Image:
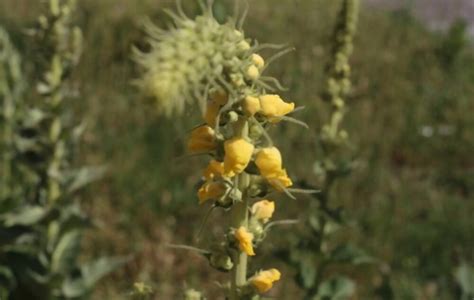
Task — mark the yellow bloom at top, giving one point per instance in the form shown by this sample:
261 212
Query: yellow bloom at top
263 210
273 106
263 280
268 161
238 153
258 61
211 190
202 140
214 169
245 239
251 105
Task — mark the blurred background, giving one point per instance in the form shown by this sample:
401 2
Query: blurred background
411 121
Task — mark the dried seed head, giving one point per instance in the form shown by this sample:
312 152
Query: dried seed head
195 57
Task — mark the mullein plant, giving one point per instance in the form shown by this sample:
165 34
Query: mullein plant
215 65
11 87
315 254
41 221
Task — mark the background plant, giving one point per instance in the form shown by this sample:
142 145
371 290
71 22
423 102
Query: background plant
40 217
317 251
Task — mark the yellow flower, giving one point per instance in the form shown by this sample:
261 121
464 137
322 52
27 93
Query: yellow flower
212 110
245 240
273 106
238 153
263 210
263 280
211 190
253 72
258 61
251 105
280 180
268 161
218 99
202 140
214 169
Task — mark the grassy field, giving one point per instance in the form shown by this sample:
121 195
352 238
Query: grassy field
411 120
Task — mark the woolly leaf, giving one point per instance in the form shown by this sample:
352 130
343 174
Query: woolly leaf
84 176
348 253
27 215
338 288
90 274
465 277
66 252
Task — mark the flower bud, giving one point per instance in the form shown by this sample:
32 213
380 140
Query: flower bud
192 294
221 261
243 46
211 190
263 210
212 110
233 117
244 239
251 105
253 73
258 61
263 280
202 140
214 169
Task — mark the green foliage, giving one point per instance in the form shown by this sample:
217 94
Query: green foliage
41 222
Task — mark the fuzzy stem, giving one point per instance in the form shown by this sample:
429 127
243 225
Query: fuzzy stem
240 218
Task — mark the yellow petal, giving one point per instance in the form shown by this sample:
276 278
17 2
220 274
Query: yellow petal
202 140
214 169
245 239
211 191
220 97
273 106
263 210
268 161
238 153
251 105
280 180
212 110
258 61
263 280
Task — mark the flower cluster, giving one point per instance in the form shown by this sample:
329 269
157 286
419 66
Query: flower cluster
240 164
219 67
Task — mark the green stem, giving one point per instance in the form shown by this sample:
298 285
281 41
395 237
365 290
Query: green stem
240 218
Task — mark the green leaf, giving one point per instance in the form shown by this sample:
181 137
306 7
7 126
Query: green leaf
90 275
348 253
27 215
465 277
94 271
66 252
7 279
84 176
338 288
